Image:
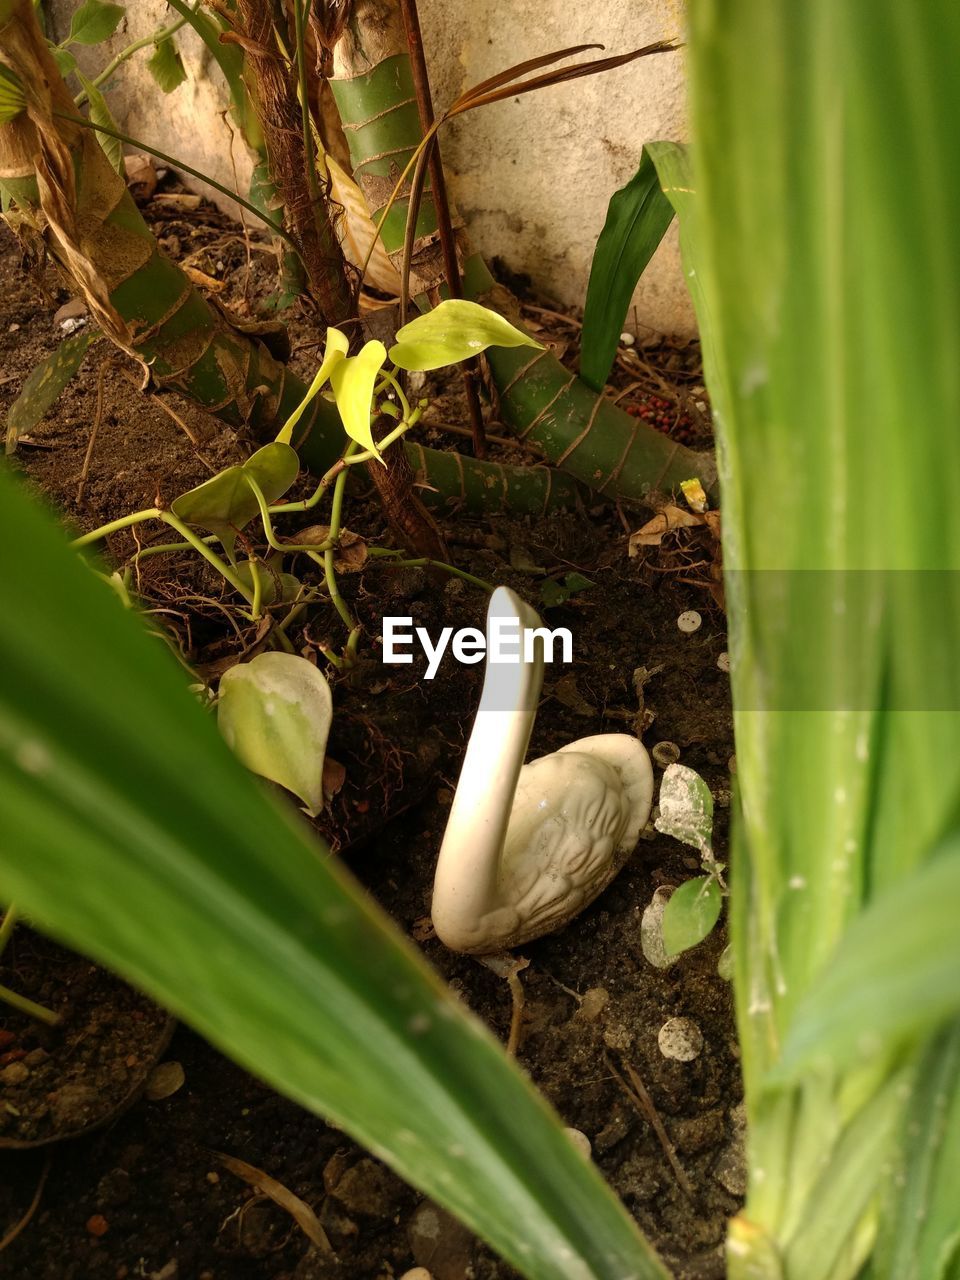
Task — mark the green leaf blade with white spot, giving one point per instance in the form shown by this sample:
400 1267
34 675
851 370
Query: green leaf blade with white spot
454 331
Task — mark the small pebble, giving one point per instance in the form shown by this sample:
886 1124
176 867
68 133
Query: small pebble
723 661
15 1073
593 1004
627 339
665 753
213 1178
580 1141
98 1225
689 621
417 1273
680 1039
164 1081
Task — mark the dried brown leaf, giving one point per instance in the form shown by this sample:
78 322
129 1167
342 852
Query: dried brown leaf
560 76
298 1209
664 522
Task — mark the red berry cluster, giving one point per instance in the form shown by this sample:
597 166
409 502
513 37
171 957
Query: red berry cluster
663 415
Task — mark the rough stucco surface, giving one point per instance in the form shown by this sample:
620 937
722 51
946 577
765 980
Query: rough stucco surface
531 176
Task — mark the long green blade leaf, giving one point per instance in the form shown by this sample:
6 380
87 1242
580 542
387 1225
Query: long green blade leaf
920 1225
895 976
131 832
42 387
637 219
824 262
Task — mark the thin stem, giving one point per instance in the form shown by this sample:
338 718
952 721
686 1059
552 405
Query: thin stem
138 517
6 928
208 554
265 512
398 431
394 381
257 588
329 571
155 37
275 227
336 506
162 548
29 1007
424 562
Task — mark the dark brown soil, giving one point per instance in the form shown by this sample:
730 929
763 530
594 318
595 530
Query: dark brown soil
64 1080
147 1196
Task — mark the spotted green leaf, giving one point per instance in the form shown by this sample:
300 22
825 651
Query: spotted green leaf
44 384
686 807
453 331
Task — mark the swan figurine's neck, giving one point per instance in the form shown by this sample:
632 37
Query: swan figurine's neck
527 847
467 875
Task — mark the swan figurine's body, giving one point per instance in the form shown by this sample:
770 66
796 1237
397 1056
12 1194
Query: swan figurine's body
529 846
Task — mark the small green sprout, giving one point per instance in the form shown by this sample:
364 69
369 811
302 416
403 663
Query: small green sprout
686 813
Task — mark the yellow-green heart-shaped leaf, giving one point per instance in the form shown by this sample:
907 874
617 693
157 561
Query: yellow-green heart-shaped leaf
353 379
454 331
274 713
226 503
335 350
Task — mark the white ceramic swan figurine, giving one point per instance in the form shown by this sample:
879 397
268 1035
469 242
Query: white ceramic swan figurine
527 847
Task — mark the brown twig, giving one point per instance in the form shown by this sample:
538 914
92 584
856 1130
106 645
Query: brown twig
637 1093
448 243
97 418
11 1235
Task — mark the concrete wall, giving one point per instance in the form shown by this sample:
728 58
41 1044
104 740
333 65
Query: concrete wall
532 175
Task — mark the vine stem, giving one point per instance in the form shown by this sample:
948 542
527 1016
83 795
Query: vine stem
155 37
275 227
424 562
